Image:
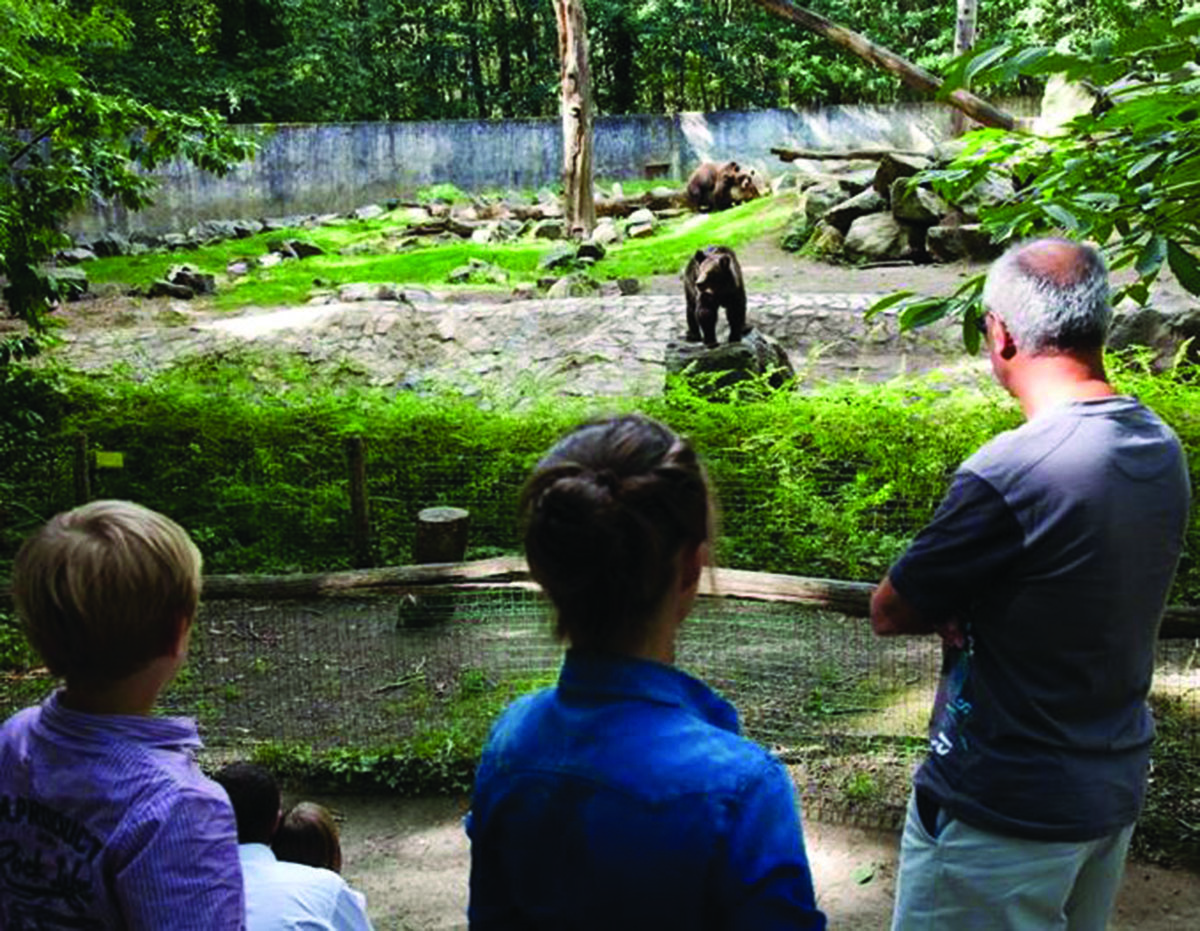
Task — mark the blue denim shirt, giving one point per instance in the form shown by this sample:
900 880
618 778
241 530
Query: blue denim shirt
624 798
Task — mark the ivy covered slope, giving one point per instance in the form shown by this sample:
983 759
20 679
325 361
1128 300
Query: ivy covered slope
248 453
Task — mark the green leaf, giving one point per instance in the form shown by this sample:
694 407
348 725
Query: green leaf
1142 164
923 313
972 338
982 61
1184 266
864 874
1150 259
885 302
1062 216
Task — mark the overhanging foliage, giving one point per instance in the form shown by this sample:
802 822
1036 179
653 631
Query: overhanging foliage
63 143
1126 175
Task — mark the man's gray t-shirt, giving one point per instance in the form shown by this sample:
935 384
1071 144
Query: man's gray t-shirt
1055 547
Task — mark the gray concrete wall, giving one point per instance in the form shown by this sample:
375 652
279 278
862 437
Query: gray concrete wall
330 168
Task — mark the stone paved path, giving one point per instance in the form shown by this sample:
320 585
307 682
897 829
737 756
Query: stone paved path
591 346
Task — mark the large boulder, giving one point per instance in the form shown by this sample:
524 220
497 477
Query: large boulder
825 242
1062 101
213 230
75 255
606 232
991 191
191 277
894 165
1162 331
821 198
860 205
916 204
952 243
109 245
710 371
549 229
880 237
575 285
561 256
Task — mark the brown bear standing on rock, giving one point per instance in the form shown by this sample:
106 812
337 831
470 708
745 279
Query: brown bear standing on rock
713 186
712 280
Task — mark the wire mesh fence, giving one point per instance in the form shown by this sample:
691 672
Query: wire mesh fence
376 671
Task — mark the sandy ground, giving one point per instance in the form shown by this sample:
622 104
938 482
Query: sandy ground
411 858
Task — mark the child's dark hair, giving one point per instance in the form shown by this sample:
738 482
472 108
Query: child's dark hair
605 514
308 834
254 795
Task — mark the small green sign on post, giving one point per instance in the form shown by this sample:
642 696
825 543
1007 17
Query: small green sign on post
109 460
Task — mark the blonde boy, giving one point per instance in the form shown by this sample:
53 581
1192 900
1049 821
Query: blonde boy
105 819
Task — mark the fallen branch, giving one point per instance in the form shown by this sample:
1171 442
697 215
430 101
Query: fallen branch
790 155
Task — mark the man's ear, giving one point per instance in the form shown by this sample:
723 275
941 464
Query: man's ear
1005 344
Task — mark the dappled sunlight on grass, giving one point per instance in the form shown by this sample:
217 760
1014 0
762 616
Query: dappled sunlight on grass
366 251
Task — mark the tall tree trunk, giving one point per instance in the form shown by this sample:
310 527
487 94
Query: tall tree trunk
476 68
964 41
910 74
504 79
576 82
624 94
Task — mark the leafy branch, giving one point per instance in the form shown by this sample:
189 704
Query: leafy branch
1125 176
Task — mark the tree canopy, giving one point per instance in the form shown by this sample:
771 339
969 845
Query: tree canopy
344 60
62 142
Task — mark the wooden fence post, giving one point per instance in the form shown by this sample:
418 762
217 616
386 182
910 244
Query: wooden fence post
80 470
360 513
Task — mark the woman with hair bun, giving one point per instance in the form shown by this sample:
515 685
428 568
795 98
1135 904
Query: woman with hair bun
624 797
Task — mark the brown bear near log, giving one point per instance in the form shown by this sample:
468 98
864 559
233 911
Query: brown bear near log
718 187
712 279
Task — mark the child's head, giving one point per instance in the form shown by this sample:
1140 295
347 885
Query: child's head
254 795
104 589
607 514
308 834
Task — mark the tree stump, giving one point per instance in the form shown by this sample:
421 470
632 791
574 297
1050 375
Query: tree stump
441 535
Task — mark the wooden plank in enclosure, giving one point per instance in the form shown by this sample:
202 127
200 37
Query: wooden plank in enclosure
849 598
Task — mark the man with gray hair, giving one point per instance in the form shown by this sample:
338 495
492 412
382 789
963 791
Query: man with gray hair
1045 571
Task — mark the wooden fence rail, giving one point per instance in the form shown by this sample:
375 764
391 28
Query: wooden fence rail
850 598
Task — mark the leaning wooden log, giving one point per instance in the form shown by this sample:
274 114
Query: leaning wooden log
790 155
974 107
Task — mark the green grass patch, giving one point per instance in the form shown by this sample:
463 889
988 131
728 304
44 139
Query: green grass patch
668 250
366 251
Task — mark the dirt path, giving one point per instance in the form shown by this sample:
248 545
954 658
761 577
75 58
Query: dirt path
411 858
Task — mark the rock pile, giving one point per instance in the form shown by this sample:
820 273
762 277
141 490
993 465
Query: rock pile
483 220
865 214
